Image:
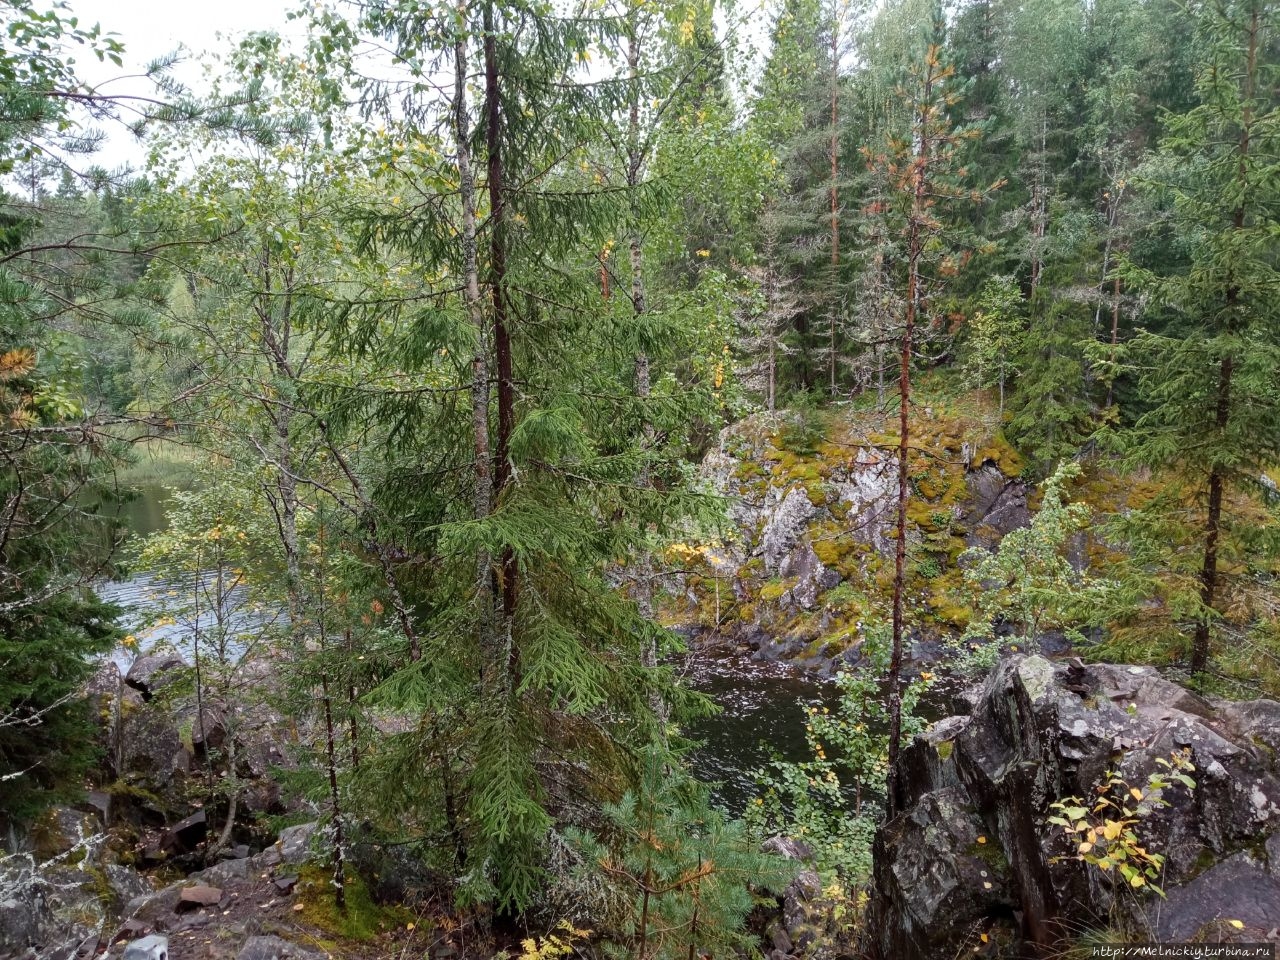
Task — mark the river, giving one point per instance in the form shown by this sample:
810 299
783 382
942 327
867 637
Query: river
762 705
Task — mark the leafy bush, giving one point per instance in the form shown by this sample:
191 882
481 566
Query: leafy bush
1028 584
831 801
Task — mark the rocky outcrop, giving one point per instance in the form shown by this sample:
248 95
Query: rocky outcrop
807 925
807 564
274 948
158 747
60 898
972 858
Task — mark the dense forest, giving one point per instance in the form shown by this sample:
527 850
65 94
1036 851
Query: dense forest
491 356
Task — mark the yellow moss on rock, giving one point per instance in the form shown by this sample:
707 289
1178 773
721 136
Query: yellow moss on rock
772 591
1000 452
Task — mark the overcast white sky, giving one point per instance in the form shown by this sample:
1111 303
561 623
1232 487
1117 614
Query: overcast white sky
152 28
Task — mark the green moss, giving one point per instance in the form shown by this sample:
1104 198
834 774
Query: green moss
772 591
931 485
843 597
990 854
927 568
945 749
363 920
816 491
49 840
101 884
1266 748
835 551
1000 452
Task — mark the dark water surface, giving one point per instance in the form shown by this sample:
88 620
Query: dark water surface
762 714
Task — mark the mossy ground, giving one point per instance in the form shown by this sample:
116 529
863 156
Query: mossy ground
361 922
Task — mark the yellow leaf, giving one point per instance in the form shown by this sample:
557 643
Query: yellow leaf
704 252
1084 847
1238 924
984 938
1112 829
982 839
1135 793
1136 880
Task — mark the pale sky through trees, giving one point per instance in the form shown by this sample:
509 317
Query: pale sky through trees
152 29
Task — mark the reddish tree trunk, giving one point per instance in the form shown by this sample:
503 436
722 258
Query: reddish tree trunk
498 284
915 248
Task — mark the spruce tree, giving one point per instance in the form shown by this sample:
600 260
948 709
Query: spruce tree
584 457
1209 374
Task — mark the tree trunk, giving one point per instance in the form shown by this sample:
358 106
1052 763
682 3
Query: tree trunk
639 306
353 729
915 247
1040 209
501 319
834 199
233 799
1200 650
482 486
1115 338
335 800
1212 528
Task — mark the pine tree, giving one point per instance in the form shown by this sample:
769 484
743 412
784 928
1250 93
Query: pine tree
684 870
924 176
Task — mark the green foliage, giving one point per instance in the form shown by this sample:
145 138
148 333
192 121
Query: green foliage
363 921
685 870
1104 835
46 728
830 801
995 332
804 428
57 530
297 302
1028 584
1205 365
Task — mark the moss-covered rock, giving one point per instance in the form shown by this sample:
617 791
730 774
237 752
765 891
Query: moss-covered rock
811 517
